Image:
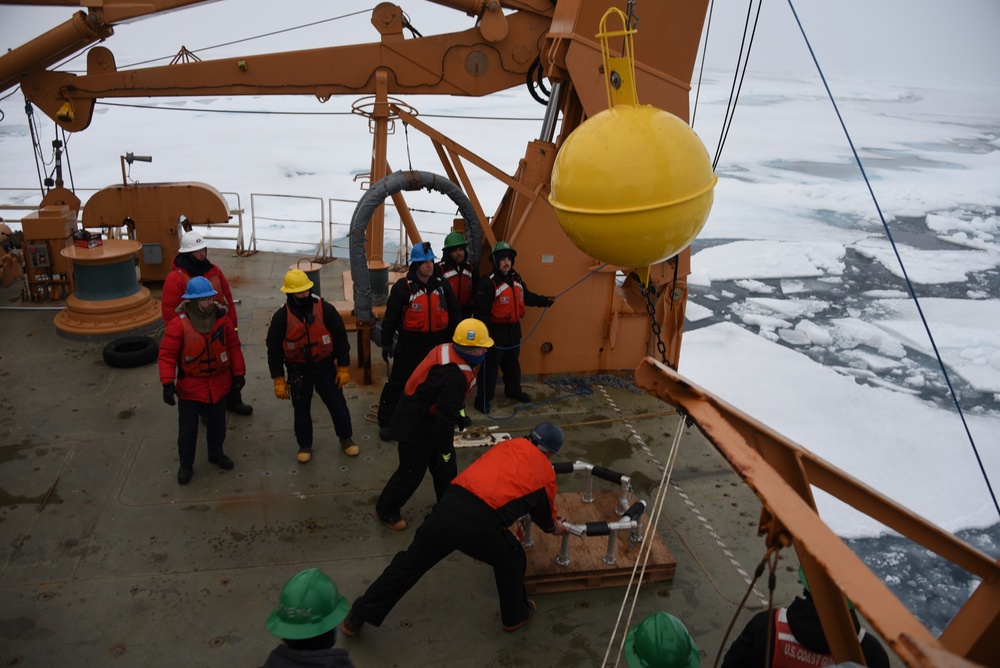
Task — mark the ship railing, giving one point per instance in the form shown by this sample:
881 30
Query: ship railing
236 211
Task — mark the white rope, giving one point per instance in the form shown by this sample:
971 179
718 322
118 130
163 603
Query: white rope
644 549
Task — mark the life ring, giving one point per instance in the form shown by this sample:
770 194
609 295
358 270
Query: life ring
131 351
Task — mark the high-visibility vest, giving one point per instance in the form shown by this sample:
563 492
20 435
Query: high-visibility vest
460 279
439 355
789 652
508 303
426 311
307 341
203 355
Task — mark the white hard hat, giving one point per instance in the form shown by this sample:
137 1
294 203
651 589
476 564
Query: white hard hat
192 241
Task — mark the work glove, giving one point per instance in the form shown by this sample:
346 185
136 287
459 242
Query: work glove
343 376
169 392
239 382
281 388
386 354
549 301
464 421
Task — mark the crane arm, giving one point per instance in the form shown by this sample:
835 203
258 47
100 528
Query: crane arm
79 32
465 63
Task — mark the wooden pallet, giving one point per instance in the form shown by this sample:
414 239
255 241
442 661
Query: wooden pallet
586 569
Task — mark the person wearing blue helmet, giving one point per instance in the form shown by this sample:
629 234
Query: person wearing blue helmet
200 363
422 309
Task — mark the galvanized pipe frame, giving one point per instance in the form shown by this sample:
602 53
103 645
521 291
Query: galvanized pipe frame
781 473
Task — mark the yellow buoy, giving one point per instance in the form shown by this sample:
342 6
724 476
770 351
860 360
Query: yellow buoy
632 185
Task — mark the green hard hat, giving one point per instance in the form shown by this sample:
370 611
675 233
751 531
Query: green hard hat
310 605
501 247
453 239
661 641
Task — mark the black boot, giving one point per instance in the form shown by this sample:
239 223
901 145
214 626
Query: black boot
236 404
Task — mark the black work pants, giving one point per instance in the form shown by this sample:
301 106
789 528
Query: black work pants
405 358
188 415
322 379
460 521
417 456
505 356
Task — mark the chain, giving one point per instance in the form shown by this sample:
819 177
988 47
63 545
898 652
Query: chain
649 292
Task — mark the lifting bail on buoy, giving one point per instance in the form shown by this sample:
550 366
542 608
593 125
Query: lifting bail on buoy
632 185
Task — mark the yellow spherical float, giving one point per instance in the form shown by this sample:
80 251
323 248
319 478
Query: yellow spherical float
632 186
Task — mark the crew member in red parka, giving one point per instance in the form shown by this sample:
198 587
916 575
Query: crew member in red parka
200 363
190 261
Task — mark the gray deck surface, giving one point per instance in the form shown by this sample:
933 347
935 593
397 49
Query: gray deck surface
106 561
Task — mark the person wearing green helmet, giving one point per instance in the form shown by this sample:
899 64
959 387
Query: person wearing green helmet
794 636
661 641
458 271
499 301
309 609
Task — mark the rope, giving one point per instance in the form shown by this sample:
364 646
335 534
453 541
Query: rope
732 622
899 259
644 549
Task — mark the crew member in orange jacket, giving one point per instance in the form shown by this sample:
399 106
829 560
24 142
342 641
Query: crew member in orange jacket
200 362
424 422
512 479
455 268
190 261
500 300
421 307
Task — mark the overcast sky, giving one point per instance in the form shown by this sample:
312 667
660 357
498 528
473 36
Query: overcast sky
912 39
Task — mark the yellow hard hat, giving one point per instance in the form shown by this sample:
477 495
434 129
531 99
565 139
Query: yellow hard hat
472 333
296 281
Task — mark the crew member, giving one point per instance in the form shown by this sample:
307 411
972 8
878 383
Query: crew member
306 619
200 361
793 638
307 337
421 307
512 479
661 641
500 300
190 261
458 271
424 422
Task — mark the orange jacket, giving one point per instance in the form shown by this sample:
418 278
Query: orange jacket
514 478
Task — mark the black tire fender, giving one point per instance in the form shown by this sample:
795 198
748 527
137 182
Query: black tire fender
131 351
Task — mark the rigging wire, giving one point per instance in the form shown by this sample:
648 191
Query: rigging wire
261 36
701 68
645 548
899 259
739 75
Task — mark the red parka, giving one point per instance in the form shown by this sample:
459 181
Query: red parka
208 389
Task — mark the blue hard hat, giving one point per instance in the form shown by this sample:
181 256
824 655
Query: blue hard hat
422 252
548 436
199 288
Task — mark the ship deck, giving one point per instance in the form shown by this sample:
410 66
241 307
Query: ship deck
106 560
